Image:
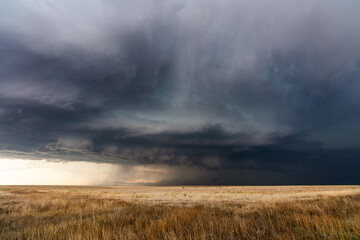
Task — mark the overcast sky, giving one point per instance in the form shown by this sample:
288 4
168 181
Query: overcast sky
197 91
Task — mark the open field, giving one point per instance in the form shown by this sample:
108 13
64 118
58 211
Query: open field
216 212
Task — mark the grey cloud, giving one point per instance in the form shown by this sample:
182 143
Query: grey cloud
226 88
71 144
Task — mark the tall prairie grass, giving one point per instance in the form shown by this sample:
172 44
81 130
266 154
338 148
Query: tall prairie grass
32 214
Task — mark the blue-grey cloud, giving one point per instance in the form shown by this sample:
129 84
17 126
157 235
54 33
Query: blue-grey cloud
242 89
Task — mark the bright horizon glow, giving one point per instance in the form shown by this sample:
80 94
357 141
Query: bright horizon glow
43 172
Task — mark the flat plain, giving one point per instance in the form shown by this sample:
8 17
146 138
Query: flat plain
180 212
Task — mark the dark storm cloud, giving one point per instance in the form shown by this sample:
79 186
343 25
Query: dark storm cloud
251 92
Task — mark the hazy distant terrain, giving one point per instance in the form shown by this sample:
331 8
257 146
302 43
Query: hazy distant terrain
289 212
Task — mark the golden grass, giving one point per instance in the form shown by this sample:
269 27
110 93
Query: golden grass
331 212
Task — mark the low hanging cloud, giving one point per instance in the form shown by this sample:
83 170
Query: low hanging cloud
235 92
70 144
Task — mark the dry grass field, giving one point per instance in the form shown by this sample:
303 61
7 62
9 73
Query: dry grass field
288 212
